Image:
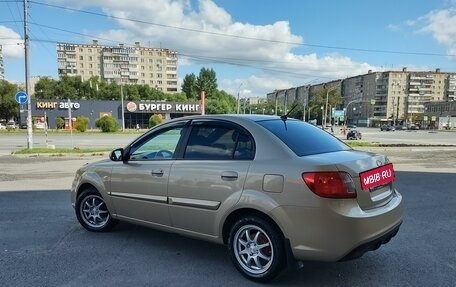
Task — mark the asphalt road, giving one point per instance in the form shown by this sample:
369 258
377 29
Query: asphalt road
41 244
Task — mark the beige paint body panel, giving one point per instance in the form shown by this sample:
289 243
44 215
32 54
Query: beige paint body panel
139 191
201 185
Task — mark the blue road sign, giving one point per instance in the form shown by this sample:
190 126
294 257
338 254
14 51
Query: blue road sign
21 97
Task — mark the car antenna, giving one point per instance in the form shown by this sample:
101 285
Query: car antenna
285 117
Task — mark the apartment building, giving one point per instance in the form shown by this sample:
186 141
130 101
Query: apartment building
2 70
396 97
155 67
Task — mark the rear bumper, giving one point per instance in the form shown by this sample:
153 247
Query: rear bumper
338 230
372 245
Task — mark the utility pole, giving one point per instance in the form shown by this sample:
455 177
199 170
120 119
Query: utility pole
122 106
27 79
327 98
238 104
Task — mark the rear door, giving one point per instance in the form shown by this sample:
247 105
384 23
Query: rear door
210 177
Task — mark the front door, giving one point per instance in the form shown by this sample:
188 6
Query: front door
139 185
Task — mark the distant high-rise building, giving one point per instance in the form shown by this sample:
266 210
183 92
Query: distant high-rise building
155 67
396 97
2 70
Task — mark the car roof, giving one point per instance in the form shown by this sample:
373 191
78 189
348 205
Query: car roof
250 117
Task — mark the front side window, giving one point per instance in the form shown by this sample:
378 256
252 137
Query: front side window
158 146
212 142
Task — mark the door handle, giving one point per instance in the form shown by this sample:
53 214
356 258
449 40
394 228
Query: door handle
229 175
157 172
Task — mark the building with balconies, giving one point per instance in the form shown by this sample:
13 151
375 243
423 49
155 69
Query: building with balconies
394 97
155 67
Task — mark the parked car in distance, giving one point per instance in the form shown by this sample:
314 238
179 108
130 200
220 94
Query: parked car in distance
270 188
414 127
354 134
2 126
351 126
11 125
387 128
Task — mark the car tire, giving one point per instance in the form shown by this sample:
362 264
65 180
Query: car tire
257 248
92 212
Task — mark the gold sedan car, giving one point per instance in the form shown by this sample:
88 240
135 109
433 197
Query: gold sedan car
271 188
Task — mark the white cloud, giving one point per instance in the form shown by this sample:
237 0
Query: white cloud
393 27
11 43
441 24
411 22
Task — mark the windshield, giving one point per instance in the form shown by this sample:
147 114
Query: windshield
303 138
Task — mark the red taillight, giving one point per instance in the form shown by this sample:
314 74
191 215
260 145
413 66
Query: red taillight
330 184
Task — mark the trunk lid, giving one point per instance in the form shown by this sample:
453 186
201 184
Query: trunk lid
355 163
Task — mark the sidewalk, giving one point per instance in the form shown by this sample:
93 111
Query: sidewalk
40 172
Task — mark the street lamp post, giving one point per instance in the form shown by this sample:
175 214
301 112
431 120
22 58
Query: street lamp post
322 124
305 100
346 110
239 90
326 107
327 99
276 94
122 107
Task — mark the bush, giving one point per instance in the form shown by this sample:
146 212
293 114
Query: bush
107 124
60 123
81 123
155 120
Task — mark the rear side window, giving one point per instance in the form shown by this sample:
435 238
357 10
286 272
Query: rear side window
303 138
213 142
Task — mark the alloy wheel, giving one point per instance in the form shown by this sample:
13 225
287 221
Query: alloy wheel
253 249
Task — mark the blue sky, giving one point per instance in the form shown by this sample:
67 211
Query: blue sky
254 46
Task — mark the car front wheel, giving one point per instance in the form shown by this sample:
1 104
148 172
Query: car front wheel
257 249
92 212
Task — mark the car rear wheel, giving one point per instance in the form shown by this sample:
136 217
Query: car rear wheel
92 212
256 248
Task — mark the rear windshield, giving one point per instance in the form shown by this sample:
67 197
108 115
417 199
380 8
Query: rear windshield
303 138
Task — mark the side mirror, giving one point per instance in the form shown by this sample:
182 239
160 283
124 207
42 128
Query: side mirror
117 155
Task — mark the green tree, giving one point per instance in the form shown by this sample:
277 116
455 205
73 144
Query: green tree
82 123
67 88
207 81
60 123
319 100
45 88
107 124
177 97
189 86
155 120
131 93
222 103
9 108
